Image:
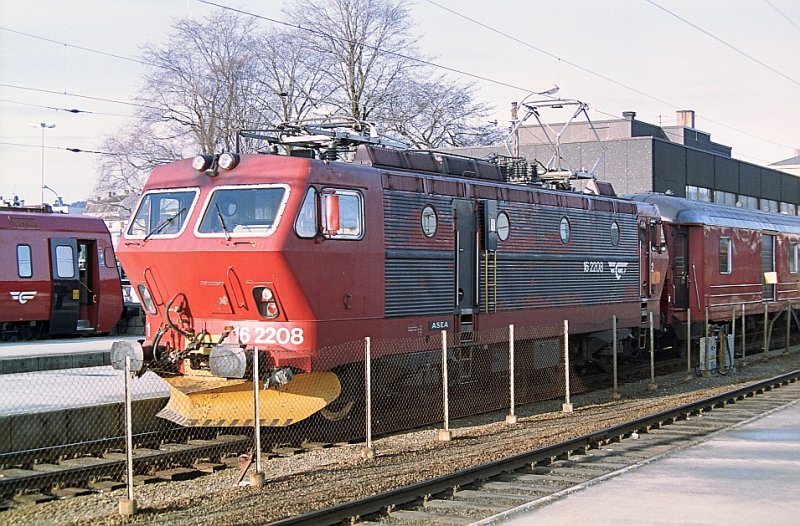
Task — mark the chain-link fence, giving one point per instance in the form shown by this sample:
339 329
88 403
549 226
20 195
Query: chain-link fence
66 428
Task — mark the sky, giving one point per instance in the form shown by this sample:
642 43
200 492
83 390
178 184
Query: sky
734 62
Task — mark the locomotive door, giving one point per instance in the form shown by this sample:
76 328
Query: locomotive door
680 267
66 286
644 259
466 288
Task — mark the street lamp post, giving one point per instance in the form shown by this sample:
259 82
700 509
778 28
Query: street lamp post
43 126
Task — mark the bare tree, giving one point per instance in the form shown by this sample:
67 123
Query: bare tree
203 80
363 46
437 113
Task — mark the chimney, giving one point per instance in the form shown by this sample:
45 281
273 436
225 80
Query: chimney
685 118
629 115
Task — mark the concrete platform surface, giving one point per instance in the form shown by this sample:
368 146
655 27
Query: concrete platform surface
48 355
748 475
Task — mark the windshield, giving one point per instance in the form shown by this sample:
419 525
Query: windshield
162 213
243 211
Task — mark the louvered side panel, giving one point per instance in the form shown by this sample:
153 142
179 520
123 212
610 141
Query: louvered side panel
417 286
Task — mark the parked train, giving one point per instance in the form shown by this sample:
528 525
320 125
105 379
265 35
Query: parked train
58 275
295 254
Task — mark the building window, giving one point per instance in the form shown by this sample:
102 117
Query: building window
698 193
788 208
793 257
24 263
749 201
429 221
724 198
725 255
769 205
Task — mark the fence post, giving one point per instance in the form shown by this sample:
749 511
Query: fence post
368 452
614 390
652 385
511 418
444 434
766 327
732 361
257 478
706 358
566 407
128 506
688 344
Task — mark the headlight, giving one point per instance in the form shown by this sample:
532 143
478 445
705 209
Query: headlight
202 161
228 161
147 300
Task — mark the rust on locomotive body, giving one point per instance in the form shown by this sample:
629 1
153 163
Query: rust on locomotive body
294 255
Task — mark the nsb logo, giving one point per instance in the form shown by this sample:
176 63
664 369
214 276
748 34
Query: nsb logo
23 297
617 268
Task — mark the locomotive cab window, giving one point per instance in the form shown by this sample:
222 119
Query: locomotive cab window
24 261
725 256
793 260
343 214
236 211
306 223
162 213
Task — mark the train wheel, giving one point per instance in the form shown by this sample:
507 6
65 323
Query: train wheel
352 380
331 413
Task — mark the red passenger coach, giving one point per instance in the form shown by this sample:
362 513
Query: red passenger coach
293 254
58 275
725 259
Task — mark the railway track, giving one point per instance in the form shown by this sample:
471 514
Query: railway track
485 493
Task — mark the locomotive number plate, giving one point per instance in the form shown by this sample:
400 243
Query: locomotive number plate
269 335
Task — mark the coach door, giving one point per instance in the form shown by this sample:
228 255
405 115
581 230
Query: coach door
66 286
680 267
768 267
465 212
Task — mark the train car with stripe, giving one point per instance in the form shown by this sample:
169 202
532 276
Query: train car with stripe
298 255
58 275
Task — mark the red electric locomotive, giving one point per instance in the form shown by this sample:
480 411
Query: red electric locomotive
293 254
725 259
58 275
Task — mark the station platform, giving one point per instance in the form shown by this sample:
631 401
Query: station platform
49 355
746 475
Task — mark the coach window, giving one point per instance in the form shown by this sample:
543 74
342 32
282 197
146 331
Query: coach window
24 263
65 261
725 256
344 214
429 221
306 223
503 226
793 266
614 233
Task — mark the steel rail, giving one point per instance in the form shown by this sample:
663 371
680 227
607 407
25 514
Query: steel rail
410 493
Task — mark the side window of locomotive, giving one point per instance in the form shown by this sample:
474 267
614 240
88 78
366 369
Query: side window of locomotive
162 213
306 223
503 226
793 260
24 261
725 256
614 233
243 211
429 222
344 214
564 230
